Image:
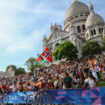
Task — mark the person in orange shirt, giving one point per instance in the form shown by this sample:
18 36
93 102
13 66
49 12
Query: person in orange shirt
41 84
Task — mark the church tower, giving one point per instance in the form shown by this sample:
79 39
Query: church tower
11 71
73 33
75 39
44 42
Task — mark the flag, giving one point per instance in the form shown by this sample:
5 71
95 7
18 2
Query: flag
39 58
47 54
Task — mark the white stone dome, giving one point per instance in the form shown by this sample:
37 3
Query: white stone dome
76 8
93 18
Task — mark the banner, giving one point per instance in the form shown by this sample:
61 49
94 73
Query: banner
92 96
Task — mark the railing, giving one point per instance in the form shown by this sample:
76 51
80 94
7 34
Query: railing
90 96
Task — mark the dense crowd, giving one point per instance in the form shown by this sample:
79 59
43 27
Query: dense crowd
81 73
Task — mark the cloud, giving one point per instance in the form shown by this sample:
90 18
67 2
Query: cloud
25 43
14 20
40 8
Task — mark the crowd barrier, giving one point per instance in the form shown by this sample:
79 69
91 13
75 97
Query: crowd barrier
92 96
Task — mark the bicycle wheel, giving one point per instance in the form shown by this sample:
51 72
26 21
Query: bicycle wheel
6 99
29 99
45 99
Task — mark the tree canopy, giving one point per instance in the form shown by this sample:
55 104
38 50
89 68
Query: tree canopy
91 48
20 71
13 66
66 50
17 71
31 64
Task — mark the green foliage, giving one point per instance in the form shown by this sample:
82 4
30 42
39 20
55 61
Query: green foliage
31 64
65 50
13 66
101 84
91 48
17 71
20 71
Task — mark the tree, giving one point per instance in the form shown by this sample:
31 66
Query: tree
20 71
13 66
65 50
17 71
31 64
91 48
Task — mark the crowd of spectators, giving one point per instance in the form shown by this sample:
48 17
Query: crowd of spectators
81 73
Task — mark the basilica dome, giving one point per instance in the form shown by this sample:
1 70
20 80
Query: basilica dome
76 8
94 19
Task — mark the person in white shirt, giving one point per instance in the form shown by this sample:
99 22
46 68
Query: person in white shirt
94 73
12 87
86 81
91 82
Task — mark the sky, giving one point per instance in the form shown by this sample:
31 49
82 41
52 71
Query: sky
23 24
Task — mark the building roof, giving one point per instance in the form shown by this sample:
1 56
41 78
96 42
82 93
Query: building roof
76 8
10 69
45 38
93 18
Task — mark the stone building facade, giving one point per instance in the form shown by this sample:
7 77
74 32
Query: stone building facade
8 74
81 24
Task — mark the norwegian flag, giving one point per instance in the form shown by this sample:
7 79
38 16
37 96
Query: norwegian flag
47 54
40 58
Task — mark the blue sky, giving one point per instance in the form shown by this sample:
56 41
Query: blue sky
23 24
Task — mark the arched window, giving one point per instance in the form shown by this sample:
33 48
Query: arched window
86 14
91 32
102 29
94 31
76 16
83 28
78 29
81 15
99 30
56 29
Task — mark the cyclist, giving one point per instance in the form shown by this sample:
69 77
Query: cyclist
39 89
41 85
